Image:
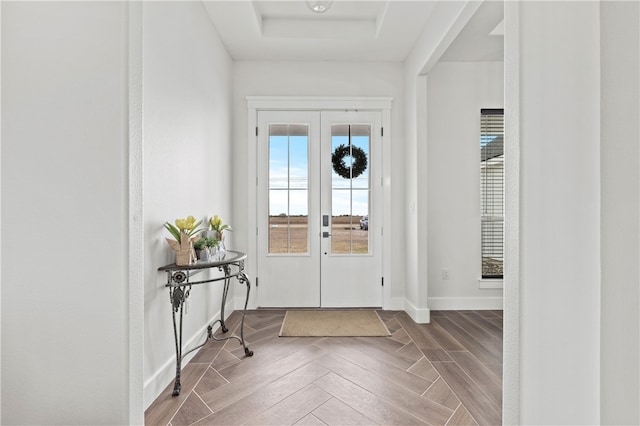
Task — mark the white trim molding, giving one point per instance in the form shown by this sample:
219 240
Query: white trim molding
465 303
418 315
319 103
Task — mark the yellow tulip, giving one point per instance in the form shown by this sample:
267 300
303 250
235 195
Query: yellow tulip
190 222
181 224
187 226
215 222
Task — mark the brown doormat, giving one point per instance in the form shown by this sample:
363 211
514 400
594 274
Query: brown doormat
333 323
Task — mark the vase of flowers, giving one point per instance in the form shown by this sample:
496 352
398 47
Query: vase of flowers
184 231
217 229
212 246
206 248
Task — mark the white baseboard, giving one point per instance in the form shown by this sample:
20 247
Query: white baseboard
167 373
465 303
420 316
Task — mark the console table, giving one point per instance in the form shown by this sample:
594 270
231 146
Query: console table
179 282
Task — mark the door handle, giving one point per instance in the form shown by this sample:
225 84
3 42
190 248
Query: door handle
326 234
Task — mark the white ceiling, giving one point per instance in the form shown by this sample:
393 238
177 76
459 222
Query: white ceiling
482 38
351 30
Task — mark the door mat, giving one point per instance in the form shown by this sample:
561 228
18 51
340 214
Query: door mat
333 323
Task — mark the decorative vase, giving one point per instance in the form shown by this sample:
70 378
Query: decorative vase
221 246
219 236
185 254
213 253
205 254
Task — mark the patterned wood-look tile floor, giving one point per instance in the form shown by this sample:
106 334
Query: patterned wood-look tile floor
447 372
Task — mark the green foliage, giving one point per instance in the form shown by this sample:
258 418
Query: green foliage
349 171
200 244
203 243
211 242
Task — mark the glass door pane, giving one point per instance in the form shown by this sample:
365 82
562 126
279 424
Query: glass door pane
288 188
350 188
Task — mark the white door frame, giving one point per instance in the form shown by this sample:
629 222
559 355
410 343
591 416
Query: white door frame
316 103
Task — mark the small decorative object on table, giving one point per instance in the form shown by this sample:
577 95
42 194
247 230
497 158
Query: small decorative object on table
184 233
217 229
206 248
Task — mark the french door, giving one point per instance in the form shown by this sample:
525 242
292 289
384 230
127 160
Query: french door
319 208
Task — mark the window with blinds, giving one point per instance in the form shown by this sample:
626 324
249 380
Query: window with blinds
492 191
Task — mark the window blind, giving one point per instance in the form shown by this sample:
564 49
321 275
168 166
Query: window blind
492 191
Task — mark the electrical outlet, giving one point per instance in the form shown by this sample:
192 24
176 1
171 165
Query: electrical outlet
445 274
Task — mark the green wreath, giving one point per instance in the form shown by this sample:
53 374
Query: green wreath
359 161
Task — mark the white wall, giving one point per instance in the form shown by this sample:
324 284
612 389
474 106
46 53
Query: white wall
559 251
319 79
620 162
456 92
64 213
187 164
446 21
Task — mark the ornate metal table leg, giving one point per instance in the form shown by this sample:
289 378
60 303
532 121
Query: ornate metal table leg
177 296
225 292
242 278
